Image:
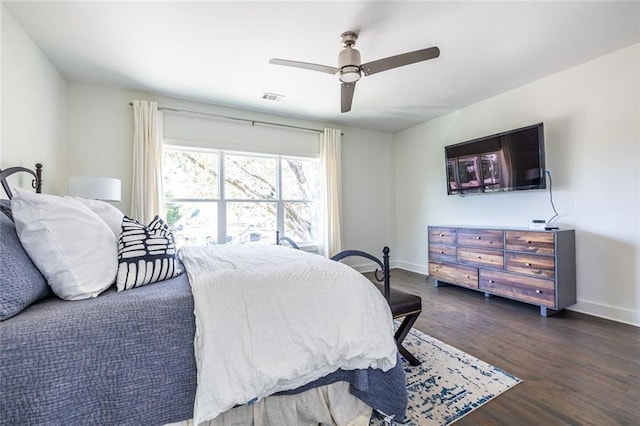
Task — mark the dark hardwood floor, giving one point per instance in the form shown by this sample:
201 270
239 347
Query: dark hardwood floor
576 369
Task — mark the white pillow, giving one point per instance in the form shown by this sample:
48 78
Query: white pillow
110 214
73 248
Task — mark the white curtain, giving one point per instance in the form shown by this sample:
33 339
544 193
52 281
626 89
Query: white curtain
146 191
330 174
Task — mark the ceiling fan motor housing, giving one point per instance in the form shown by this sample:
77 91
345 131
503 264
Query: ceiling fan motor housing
349 63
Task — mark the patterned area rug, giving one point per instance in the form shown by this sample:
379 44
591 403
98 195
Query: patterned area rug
448 384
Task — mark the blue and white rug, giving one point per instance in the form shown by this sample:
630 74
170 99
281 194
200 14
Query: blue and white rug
448 384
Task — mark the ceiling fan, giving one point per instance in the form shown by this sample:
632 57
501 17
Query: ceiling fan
351 70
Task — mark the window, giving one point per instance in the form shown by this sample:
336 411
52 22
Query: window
216 197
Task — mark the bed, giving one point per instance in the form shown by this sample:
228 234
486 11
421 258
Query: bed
133 357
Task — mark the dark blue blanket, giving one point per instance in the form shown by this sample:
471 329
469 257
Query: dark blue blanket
127 359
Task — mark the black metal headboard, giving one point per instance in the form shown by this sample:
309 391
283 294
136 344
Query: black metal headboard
36 183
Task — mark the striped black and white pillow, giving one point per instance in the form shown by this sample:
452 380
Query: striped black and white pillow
146 254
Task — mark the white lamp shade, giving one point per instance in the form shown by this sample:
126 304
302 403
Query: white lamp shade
97 188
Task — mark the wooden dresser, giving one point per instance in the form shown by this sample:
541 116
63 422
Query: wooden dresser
536 267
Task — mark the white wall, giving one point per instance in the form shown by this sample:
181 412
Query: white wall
591 115
33 114
100 129
368 192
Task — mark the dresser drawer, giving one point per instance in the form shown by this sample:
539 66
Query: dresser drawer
481 257
486 238
526 289
455 274
442 253
531 264
442 235
530 242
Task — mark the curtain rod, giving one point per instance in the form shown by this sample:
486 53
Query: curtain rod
226 117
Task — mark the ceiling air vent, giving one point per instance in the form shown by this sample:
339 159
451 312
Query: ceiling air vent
272 97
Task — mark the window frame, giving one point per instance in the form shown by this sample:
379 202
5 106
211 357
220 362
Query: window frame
222 201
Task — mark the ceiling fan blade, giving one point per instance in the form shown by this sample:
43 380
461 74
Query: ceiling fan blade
305 65
400 60
346 95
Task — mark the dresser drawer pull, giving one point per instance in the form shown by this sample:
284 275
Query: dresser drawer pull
491 281
441 234
478 238
479 257
468 276
528 264
539 291
441 251
528 242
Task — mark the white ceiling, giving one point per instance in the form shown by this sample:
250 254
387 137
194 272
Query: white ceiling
218 52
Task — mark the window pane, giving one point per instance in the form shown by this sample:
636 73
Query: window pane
300 179
249 178
468 172
193 224
190 174
251 222
300 221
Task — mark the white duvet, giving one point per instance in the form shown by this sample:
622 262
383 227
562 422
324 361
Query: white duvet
271 318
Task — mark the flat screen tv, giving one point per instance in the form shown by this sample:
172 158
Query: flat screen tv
507 161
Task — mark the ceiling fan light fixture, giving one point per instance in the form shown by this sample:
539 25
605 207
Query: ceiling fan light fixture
350 74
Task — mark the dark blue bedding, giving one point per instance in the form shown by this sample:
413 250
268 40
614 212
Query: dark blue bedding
121 358
125 358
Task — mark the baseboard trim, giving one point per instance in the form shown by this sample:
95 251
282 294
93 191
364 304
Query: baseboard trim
413 267
370 266
613 313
